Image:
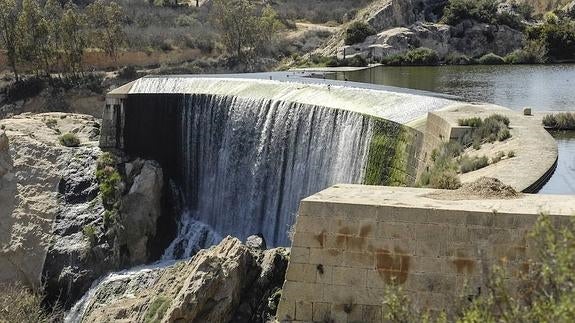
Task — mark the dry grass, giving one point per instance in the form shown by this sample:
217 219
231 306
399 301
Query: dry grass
19 304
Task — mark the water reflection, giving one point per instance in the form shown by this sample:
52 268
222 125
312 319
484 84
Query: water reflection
563 181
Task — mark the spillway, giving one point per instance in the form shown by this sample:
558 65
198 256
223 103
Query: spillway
242 153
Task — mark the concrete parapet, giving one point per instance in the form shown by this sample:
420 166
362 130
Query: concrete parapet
351 241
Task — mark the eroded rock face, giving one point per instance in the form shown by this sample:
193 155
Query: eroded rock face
469 38
31 163
226 283
54 229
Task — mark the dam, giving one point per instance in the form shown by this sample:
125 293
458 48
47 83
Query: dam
243 153
311 165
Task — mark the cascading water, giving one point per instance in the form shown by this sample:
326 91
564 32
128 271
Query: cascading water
248 163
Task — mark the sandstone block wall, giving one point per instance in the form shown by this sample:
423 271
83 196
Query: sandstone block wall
351 241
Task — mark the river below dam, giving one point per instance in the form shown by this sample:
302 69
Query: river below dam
541 87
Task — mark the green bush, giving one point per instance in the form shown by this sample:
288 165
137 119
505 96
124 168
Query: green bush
491 59
480 10
447 180
89 232
458 59
560 121
511 154
417 57
498 157
471 122
109 180
69 140
422 56
357 32
534 52
470 164
557 35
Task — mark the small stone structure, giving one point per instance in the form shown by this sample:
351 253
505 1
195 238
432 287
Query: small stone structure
351 241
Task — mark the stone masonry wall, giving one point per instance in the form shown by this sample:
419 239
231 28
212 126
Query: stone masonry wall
351 241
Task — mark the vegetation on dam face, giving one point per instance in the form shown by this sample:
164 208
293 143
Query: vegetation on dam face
391 158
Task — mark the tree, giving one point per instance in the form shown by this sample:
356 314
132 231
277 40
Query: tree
73 39
35 47
243 28
8 32
107 19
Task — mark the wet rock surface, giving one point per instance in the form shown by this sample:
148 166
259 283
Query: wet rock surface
230 282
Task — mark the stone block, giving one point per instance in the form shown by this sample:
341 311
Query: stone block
299 255
480 219
424 232
303 311
372 313
527 112
286 311
363 260
321 312
311 224
324 274
326 257
412 215
301 273
310 240
353 277
343 226
301 291
391 230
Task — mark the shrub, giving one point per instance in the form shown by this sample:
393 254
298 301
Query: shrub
24 89
89 232
109 180
560 121
357 32
480 10
511 154
471 122
556 35
448 180
422 56
458 59
69 140
491 59
498 157
534 52
419 57
470 164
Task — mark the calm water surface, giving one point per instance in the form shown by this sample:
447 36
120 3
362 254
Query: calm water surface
541 87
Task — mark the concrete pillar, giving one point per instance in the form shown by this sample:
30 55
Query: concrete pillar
112 131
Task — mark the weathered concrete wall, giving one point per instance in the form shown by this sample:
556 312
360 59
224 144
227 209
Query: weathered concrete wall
351 241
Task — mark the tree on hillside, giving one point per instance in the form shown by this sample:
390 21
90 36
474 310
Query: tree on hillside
34 33
107 19
8 33
73 39
243 27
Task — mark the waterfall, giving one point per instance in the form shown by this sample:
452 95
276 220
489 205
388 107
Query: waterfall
246 164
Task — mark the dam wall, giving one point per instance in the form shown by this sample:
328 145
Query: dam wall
241 154
352 241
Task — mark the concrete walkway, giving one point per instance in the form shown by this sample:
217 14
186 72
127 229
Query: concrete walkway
535 149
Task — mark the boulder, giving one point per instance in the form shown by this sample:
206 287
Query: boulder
230 282
141 208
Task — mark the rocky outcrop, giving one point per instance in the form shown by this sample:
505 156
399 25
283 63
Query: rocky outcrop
54 228
32 160
119 238
469 38
141 207
230 282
